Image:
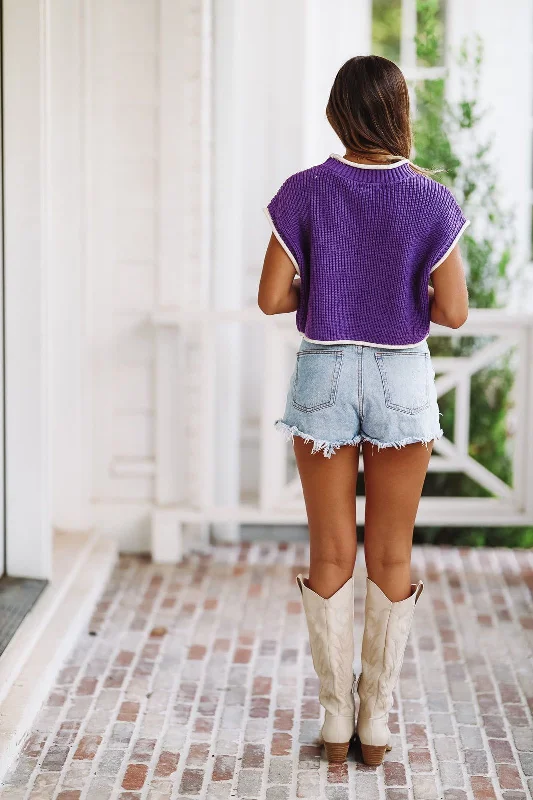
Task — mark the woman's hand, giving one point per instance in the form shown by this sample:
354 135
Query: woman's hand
279 288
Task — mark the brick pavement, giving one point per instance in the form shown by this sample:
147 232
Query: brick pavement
196 681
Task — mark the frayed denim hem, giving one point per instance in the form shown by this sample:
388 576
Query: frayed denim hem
398 445
328 448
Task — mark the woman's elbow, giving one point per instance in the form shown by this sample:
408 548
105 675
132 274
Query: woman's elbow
456 318
267 304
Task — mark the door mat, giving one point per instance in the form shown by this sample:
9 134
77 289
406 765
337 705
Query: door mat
17 597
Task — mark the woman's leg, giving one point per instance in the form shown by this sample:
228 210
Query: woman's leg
393 485
329 492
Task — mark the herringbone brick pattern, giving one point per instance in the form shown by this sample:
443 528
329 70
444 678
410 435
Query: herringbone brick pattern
196 681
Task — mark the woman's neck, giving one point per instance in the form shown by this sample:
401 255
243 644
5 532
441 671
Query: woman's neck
364 159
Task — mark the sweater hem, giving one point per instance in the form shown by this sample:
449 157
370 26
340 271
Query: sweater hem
359 341
280 240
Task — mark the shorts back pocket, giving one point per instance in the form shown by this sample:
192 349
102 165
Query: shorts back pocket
405 379
316 379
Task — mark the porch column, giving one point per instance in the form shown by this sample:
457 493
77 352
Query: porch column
334 32
26 231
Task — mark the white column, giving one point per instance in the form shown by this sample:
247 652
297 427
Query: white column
334 32
26 150
70 388
182 453
2 384
233 147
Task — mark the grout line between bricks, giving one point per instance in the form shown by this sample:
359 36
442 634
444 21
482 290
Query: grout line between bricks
247 696
510 667
269 733
69 699
106 734
178 774
221 704
144 702
444 592
490 762
481 574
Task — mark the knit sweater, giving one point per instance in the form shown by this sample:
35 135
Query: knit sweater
364 240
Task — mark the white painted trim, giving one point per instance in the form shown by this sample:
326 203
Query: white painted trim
67 278
450 248
166 537
2 382
280 240
27 232
128 523
367 344
30 664
370 166
100 204
231 40
455 511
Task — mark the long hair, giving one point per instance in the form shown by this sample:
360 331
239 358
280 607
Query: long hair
368 108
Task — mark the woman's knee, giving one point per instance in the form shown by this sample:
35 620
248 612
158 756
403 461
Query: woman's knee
386 561
342 560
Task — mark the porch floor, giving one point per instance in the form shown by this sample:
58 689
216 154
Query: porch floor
196 681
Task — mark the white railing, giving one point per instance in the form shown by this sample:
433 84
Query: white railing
186 495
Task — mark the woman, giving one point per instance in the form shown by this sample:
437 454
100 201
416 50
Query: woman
373 240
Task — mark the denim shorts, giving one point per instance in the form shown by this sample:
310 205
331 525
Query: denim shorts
348 393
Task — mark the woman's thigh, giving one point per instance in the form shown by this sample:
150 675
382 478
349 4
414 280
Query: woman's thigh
329 486
393 485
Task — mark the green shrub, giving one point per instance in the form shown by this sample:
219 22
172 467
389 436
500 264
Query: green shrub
447 139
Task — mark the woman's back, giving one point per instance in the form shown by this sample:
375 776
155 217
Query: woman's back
364 239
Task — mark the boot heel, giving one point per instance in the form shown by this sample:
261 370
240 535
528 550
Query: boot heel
373 755
336 753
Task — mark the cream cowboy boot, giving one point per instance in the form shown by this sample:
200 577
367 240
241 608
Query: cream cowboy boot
387 627
331 637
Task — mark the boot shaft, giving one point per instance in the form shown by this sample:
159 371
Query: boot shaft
331 639
387 627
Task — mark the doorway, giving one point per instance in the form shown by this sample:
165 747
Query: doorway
17 595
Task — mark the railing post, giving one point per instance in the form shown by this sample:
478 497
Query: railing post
273 464
170 451
528 462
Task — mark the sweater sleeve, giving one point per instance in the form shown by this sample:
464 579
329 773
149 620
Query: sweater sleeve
284 213
449 225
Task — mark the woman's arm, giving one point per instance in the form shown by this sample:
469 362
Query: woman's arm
279 289
448 295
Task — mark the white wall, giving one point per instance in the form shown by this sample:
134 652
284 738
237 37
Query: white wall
146 240
26 115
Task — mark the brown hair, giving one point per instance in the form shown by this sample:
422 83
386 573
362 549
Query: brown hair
368 108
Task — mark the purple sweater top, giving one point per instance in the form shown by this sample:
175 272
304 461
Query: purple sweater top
364 240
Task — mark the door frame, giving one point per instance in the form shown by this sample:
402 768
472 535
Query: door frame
25 138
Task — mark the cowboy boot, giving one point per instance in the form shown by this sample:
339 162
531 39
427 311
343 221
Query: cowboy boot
387 627
331 638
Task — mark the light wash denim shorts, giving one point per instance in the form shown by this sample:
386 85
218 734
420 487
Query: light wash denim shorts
348 393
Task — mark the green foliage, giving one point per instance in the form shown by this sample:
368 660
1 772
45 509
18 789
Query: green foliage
430 24
476 537
386 28
447 139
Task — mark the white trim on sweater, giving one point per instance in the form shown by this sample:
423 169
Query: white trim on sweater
370 166
368 344
280 240
450 248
